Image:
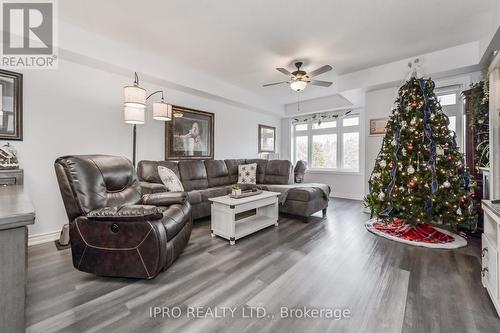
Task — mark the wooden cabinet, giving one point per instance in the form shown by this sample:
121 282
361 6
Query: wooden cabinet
16 212
489 251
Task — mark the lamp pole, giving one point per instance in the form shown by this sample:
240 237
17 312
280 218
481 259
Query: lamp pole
134 149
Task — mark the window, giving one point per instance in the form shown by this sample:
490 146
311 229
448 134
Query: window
325 124
350 142
301 146
328 145
452 126
352 121
324 151
302 127
448 99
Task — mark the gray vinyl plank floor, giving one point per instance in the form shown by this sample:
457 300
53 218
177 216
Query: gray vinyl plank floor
331 263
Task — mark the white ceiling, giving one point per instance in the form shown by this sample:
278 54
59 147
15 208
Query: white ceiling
241 42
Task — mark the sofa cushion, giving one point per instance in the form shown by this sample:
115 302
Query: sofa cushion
170 179
232 168
147 171
247 173
217 173
305 194
213 192
194 197
261 168
193 175
278 172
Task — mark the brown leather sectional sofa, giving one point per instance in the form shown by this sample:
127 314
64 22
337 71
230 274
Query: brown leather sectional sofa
115 230
207 179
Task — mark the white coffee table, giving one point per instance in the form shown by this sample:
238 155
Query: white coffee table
229 220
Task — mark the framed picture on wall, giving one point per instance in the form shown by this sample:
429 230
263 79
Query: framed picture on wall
190 135
267 139
11 105
377 126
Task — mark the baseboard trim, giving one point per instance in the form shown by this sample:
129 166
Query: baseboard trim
43 238
345 196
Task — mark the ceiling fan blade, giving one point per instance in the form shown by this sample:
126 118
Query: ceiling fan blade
321 70
284 71
273 84
321 83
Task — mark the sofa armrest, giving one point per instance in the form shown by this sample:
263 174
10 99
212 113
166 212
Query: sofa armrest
147 188
126 213
164 199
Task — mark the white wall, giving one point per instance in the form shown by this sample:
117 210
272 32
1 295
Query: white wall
343 185
378 105
77 109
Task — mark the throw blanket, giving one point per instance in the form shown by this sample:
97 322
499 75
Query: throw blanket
284 189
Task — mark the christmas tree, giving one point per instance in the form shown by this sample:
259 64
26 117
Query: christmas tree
419 174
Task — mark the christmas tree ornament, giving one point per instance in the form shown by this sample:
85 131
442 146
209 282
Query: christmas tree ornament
413 121
381 196
390 165
447 184
412 184
410 147
410 170
382 164
439 150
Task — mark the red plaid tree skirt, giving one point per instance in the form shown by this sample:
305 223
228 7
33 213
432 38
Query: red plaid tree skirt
421 233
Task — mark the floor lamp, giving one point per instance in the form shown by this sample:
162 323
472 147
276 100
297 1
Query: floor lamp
134 108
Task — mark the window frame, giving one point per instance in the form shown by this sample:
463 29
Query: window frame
339 130
454 110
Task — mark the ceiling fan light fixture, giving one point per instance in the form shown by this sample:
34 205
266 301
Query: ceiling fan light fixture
298 85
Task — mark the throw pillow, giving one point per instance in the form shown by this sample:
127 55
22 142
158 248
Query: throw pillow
247 173
170 179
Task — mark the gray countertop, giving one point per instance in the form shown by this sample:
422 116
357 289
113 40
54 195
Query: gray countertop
16 209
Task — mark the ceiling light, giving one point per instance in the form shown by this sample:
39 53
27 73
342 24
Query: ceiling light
298 85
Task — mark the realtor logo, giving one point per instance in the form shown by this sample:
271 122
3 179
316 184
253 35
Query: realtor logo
28 34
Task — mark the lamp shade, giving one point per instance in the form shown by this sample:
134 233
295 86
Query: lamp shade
134 115
162 111
298 85
135 96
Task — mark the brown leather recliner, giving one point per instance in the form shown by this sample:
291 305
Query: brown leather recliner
114 230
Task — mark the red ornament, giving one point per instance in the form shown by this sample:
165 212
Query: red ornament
390 165
414 104
450 157
462 199
412 184
409 147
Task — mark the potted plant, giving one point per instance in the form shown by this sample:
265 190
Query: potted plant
235 189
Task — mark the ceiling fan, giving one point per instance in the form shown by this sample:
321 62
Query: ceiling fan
299 79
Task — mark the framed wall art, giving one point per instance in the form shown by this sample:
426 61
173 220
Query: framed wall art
377 126
190 135
267 139
11 105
